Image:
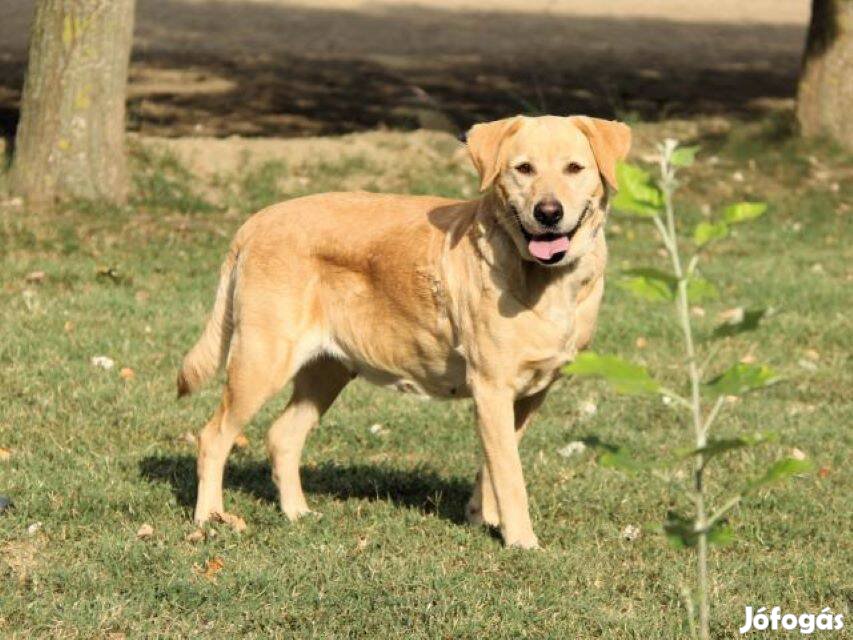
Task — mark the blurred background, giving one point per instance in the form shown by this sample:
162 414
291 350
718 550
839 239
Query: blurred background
296 68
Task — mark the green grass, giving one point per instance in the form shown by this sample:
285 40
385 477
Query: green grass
95 456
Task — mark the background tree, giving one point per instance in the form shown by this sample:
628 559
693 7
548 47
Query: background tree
825 96
70 139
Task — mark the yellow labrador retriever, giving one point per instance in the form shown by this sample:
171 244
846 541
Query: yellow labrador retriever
485 298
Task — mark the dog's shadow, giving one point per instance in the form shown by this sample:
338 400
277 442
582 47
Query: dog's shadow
417 488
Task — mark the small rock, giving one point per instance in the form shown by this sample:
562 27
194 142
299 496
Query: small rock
588 408
5 503
195 536
737 176
798 454
145 531
731 316
575 447
808 365
811 354
631 532
378 430
697 312
104 362
33 528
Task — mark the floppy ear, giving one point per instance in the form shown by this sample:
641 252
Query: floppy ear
484 145
610 141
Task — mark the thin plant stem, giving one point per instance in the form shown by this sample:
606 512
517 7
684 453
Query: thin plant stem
667 231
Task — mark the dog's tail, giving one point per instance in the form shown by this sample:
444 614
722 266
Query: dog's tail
211 350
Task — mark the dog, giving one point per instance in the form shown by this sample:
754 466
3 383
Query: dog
485 298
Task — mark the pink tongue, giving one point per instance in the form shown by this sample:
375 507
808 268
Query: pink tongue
546 249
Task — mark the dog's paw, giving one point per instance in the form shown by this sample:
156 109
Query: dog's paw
522 542
295 513
475 515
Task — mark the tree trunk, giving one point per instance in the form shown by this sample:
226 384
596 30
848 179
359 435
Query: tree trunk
70 139
825 96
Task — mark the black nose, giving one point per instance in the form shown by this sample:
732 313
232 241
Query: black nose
548 212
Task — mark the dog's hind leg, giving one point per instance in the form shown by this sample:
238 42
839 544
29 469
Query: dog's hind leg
259 365
482 508
315 388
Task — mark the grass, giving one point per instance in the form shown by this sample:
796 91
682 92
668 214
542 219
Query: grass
94 456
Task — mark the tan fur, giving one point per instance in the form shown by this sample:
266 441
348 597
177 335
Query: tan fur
427 295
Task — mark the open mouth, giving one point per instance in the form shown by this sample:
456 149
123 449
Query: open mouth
549 248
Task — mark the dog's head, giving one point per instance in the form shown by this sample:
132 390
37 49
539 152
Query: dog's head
551 175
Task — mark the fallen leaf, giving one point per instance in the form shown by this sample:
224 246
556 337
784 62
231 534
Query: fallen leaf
641 342
142 296
104 362
145 531
378 430
235 522
798 454
195 536
697 312
823 472
212 566
631 532
69 326
35 276
127 373
241 441
748 359
811 354
361 545
5 454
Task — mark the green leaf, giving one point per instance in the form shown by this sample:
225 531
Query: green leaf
625 377
637 194
648 288
621 459
742 378
706 232
744 211
716 446
699 290
749 322
780 470
720 534
682 533
683 156
649 283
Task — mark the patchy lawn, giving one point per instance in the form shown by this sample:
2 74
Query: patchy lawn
96 453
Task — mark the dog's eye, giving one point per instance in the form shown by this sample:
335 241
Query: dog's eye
525 168
574 167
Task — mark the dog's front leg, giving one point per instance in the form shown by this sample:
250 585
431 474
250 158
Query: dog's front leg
496 426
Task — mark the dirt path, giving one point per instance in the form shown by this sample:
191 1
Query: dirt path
295 67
